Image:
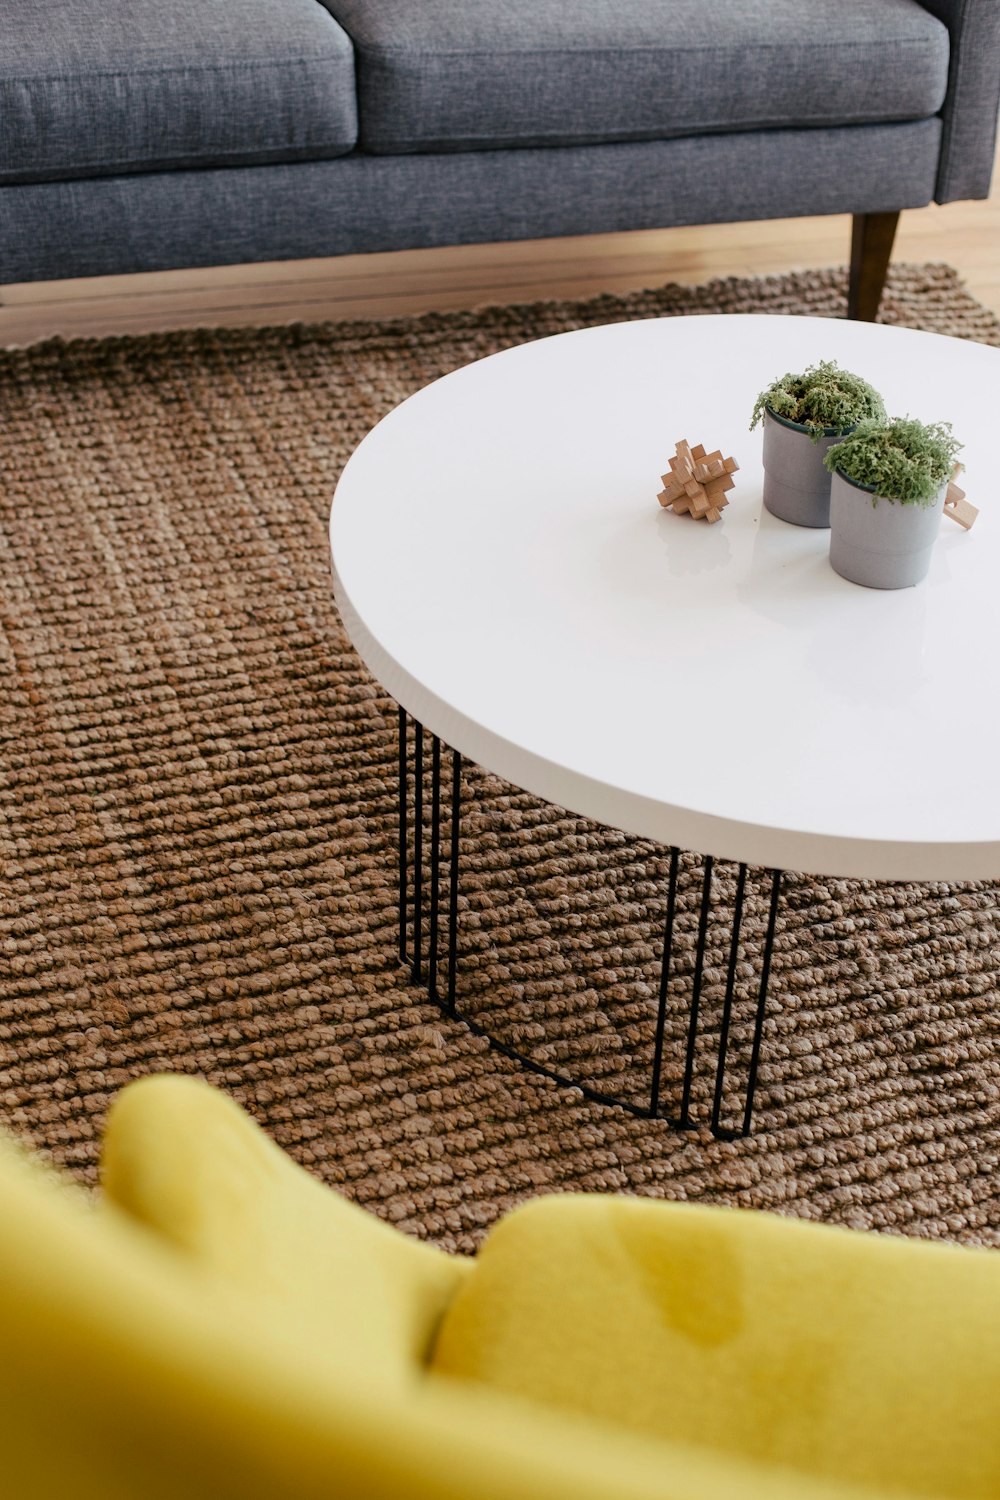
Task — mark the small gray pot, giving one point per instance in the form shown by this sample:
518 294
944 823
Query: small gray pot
881 543
796 485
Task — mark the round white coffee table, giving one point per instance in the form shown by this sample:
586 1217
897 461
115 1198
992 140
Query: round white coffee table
504 569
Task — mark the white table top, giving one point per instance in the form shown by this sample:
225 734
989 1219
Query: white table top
505 571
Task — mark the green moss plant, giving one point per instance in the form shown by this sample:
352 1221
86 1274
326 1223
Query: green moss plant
824 399
902 459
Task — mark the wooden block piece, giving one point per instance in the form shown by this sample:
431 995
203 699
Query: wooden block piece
715 466
671 489
960 509
725 482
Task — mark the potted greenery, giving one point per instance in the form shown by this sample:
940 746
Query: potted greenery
803 416
887 494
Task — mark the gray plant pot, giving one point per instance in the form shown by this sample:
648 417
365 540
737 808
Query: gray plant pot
796 485
880 543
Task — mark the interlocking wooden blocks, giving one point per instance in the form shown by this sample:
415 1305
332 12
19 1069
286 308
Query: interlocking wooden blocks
697 482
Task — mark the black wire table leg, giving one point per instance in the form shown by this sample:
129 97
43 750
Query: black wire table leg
720 1131
765 973
404 890
456 809
727 1004
683 1121
432 959
418 849
412 946
661 1009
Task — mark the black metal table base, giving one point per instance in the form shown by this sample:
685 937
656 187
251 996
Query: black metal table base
424 948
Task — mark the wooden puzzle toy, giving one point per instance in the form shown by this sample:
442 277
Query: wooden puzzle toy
697 482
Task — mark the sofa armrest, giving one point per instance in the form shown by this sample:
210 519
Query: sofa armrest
970 109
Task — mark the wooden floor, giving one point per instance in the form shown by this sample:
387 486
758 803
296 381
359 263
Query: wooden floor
965 235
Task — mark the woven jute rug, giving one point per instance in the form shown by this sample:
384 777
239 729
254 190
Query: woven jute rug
198 825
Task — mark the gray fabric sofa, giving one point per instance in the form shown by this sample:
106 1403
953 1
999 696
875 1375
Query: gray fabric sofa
138 135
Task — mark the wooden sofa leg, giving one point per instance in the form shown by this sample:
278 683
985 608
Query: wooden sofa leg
871 246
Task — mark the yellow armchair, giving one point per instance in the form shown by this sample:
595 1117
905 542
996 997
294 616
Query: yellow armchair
220 1324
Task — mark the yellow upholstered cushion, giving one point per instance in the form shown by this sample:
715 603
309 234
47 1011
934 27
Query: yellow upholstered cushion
853 1357
195 1339
171 1355
186 1161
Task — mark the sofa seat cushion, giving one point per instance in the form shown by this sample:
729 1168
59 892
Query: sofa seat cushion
440 75
97 87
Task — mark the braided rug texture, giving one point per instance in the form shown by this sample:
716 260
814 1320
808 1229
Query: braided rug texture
198 826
